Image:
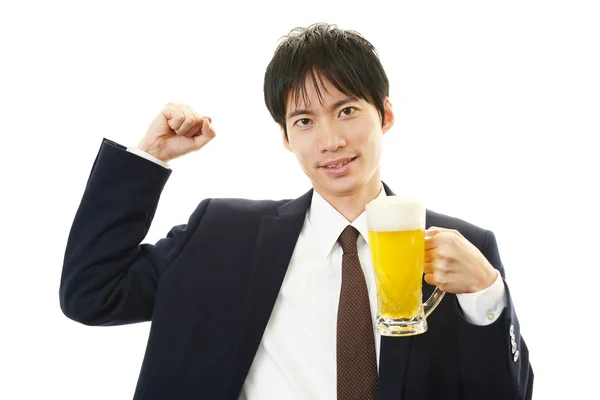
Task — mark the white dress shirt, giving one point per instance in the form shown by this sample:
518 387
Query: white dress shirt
296 358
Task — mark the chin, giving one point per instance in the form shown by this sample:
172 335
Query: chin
342 187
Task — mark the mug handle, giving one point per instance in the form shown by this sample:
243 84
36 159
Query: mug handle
433 301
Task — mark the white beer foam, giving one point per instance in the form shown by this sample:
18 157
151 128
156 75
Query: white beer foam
395 213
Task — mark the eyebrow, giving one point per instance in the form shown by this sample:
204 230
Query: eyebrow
308 111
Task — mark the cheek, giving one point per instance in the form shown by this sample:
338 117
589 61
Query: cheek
372 146
303 151
365 131
375 139
369 138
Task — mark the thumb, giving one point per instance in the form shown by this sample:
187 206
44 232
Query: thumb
432 231
207 128
207 133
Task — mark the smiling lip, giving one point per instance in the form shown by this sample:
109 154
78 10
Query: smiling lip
338 161
343 170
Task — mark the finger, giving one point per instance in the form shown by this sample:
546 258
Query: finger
432 231
196 129
207 134
188 124
435 230
174 116
433 242
437 263
208 130
429 279
431 254
428 267
440 239
200 121
437 279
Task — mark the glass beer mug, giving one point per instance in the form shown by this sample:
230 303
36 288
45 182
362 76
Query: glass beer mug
397 243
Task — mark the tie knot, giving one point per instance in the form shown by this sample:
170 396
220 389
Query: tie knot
348 240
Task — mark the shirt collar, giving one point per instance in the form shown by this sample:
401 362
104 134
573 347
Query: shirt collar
328 223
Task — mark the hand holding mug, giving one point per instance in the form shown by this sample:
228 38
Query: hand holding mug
455 265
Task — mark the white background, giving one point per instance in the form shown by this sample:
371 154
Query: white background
497 108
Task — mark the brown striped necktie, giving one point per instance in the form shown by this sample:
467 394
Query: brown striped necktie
356 357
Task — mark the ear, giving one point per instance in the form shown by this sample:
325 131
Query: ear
388 118
285 141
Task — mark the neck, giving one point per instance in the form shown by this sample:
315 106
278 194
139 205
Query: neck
353 204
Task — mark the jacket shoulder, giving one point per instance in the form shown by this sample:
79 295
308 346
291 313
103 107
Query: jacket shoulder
233 213
244 206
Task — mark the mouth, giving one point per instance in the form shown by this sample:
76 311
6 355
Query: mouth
336 164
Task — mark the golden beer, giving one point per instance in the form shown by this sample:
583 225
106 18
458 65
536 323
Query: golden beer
398 263
397 243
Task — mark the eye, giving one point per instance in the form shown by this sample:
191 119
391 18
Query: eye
348 111
303 122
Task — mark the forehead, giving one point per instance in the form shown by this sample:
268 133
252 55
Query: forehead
315 90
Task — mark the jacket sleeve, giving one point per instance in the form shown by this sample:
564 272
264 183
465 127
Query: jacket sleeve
108 277
491 366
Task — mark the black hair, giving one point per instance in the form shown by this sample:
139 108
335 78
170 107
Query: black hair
343 57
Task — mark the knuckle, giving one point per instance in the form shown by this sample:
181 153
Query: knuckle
440 266
171 107
439 253
189 120
439 277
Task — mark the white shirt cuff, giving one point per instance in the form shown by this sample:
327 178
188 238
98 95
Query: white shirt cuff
484 307
150 157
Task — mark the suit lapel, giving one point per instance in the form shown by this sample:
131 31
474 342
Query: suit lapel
275 245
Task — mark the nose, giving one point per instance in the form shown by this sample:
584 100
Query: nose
331 137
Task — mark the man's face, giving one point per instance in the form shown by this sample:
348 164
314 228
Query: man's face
337 143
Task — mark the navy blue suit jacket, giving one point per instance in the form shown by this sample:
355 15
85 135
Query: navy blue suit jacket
209 287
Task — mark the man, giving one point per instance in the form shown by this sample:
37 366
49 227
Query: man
244 298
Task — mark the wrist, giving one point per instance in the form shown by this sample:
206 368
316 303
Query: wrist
148 156
153 151
487 279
